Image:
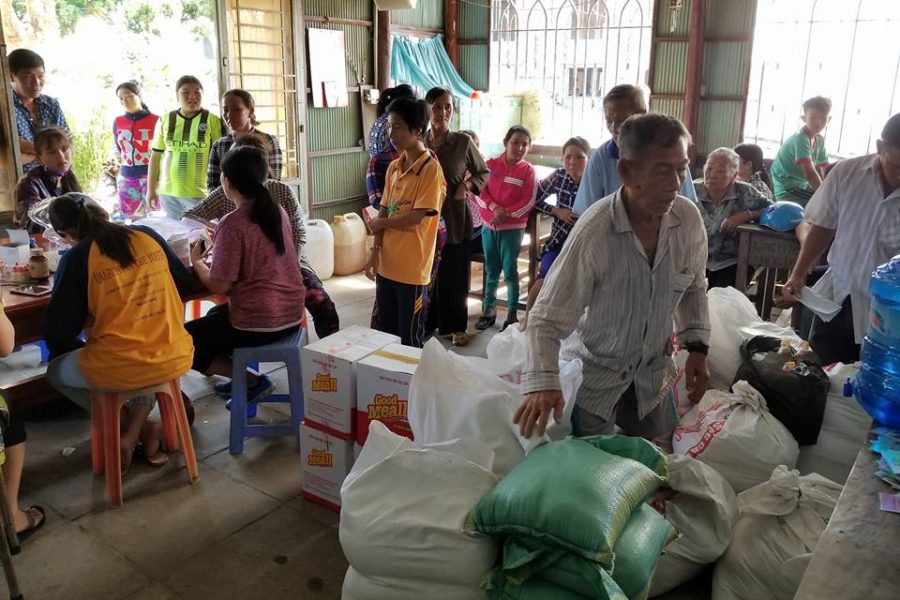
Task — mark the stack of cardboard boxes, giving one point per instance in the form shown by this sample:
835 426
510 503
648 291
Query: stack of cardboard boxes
350 379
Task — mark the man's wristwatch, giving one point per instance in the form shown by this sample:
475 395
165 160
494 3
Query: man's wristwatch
697 347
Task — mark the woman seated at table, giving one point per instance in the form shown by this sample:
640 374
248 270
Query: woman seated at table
216 205
725 204
254 263
121 283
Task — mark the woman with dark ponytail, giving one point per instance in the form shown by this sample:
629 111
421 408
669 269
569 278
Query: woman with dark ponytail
378 134
123 281
132 134
255 264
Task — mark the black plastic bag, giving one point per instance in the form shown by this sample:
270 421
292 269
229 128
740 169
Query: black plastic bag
796 397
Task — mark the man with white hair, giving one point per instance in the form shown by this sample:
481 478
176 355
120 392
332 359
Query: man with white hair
725 204
634 261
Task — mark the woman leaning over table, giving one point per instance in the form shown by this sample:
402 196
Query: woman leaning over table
121 282
459 157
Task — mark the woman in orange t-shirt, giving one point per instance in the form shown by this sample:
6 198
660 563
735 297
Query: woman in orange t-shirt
121 280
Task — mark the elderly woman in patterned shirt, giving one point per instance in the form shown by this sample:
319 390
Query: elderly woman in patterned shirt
725 204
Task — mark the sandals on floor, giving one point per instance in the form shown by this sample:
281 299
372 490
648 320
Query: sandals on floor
34 513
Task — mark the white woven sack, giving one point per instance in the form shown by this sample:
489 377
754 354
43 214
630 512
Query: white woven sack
737 436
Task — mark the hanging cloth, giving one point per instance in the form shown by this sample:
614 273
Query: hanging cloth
425 64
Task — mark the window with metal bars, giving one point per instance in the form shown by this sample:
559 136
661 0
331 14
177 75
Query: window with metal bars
261 61
846 50
571 52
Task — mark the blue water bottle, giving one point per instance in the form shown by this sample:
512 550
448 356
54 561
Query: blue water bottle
878 383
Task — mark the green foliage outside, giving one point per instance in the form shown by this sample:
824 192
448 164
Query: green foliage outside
92 144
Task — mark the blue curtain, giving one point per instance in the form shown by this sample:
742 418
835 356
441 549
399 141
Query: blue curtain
425 64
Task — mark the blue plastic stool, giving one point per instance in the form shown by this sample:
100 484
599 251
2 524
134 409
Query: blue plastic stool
285 351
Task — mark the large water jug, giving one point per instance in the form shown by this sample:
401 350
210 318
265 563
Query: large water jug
878 383
320 247
349 244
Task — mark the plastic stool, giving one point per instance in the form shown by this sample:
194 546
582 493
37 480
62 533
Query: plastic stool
285 351
106 437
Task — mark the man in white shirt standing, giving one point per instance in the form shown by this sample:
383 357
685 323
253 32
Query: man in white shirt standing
634 260
858 207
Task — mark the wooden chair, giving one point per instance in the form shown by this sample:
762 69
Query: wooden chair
106 437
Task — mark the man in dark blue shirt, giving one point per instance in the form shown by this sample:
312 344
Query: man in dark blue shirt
33 109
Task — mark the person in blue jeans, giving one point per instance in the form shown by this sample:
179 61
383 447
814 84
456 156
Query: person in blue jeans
601 178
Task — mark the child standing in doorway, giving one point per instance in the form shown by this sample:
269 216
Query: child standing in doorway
505 203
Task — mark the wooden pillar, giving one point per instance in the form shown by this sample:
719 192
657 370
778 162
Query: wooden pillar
451 30
383 49
694 67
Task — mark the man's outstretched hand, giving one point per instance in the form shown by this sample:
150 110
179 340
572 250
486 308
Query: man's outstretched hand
533 415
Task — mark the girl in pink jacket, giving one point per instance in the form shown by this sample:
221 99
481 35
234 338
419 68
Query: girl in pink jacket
505 205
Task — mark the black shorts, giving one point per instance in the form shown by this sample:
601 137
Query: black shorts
214 336
13 429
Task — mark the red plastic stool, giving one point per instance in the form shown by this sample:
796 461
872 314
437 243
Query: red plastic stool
105 432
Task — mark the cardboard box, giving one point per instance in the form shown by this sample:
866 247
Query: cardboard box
326 461
382 389
329 376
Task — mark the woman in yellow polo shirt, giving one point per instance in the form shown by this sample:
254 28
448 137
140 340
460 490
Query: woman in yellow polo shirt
120 281
406 226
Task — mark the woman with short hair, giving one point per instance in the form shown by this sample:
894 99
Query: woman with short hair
725 204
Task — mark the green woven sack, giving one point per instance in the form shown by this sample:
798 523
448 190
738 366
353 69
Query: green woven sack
636 553
500 588
573 495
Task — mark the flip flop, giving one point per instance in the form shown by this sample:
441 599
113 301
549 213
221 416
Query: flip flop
33 524
157 460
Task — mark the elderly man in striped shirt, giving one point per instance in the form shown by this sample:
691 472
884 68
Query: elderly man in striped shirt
634 261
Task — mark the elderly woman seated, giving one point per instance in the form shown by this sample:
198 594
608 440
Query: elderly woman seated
725 204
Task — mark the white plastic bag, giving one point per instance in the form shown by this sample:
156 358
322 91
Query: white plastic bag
702 507
737 436
779 526
403 512
507 352
506 355
451 397
733 320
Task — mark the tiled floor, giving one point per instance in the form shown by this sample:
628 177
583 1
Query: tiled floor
240 532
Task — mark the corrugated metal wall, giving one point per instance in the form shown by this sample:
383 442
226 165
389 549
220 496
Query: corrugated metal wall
428 14
728 29
669 77
337 181
474 44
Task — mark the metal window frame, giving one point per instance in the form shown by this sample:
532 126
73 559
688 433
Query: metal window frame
293 73
808 28
595 21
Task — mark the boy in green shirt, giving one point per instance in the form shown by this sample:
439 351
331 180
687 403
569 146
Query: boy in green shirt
181 148
797 170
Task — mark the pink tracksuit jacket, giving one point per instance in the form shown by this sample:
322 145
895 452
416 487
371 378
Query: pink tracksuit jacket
511 187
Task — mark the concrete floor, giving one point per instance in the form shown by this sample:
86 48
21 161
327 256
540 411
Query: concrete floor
240 532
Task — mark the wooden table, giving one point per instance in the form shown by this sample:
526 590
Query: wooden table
773 250
857 556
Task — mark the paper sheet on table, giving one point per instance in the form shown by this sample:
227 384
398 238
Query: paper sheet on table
823 307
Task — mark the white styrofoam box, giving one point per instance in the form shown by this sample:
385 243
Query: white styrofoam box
329 376
13 254
382 389
326 461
